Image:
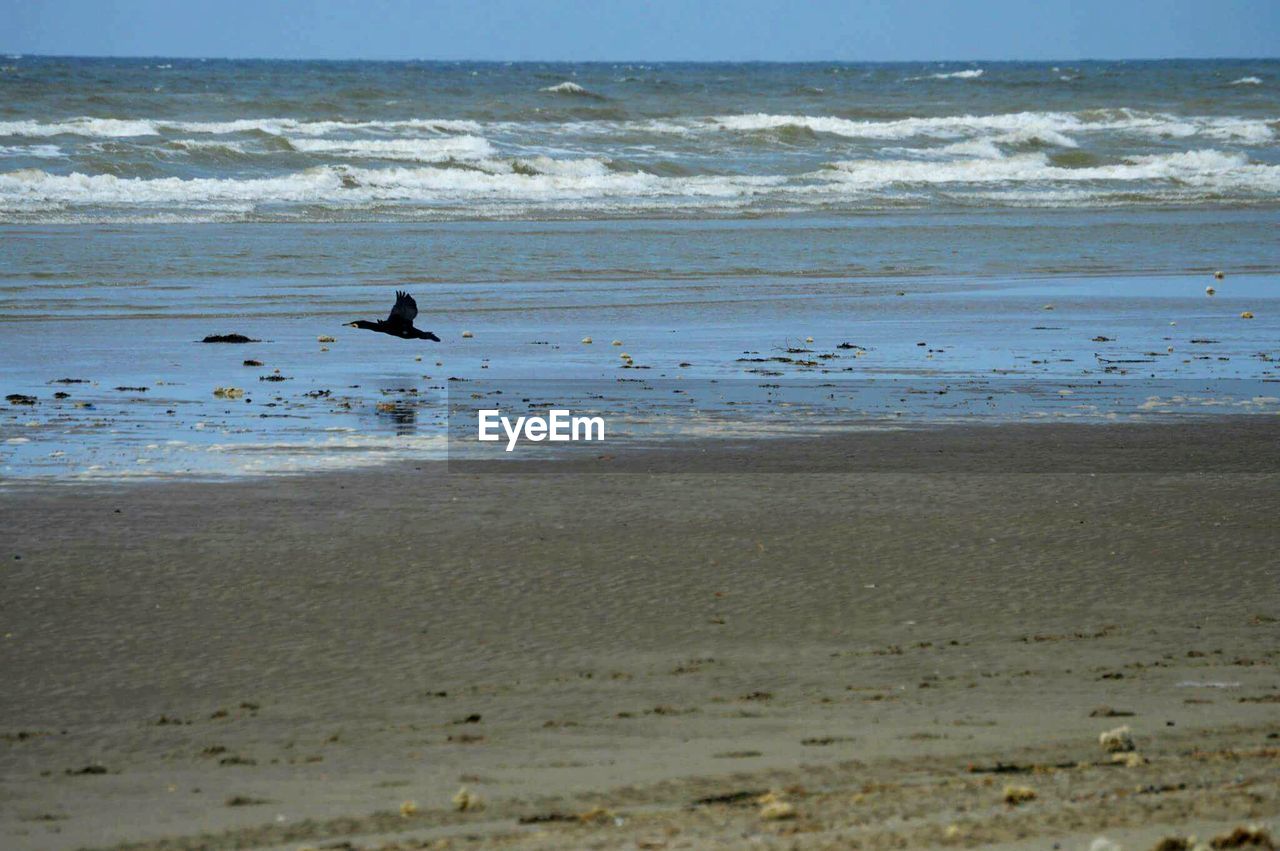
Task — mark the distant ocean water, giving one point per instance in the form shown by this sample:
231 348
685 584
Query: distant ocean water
197 141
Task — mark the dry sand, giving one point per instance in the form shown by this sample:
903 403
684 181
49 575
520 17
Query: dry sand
288 662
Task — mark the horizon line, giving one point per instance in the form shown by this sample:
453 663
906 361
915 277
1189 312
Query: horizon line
16 54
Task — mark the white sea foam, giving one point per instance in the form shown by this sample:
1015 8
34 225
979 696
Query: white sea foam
128 128
542 181
1203 169
207 145
1247 81
109 128
968 74
568 88
346 186
44 152
430 150
1049 127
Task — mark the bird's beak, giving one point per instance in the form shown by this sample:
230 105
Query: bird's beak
348 324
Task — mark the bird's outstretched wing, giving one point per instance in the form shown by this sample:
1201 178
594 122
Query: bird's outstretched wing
404 311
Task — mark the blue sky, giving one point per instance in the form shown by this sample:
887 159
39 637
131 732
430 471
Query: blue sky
853 30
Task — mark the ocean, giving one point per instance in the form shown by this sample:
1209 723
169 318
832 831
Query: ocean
948 221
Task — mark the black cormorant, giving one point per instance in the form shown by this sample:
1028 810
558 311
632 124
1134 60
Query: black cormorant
399 323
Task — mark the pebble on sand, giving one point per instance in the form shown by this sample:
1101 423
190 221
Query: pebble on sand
1219 274
773 808
586 341
408 809
1119 740
1018 794
1209 290
616 343
1248 314
467 335
467 801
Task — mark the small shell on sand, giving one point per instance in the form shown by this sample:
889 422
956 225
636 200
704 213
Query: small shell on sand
1119 740
408 808
467 335
808 339
325 338
1248 314
1048 307
616 343
777 811
1018 794
625 356
467 801
586 341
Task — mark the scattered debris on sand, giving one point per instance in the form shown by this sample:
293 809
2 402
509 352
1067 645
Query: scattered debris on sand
1108 712
325 338
87 770
229 392
730 798
1245 837
467 801
1015 795
1242 837
773 807
229 338
245 801
20 399
1119 740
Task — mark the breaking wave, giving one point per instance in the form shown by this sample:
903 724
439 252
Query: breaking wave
441 149
968 74
570 88
114 128
1044 125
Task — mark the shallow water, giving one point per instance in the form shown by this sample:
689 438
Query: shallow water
124 306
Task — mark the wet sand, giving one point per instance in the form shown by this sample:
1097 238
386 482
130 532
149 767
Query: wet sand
287 662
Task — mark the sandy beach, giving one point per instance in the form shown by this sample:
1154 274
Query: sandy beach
631 657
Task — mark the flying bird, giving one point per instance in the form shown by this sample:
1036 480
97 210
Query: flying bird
399 323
